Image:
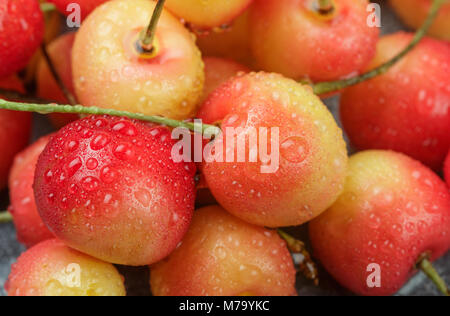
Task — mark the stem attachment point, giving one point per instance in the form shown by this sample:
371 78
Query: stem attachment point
424 264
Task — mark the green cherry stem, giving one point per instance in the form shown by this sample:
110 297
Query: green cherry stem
147 38
69 96
47 7
426 267
308 268
5 217
207 130
333 86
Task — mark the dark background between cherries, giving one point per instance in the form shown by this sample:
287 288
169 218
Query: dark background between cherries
137 279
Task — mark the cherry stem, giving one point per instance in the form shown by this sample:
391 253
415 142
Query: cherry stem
5 217
69 96
147 38
333 86
207 130
47 7
308 268
425 265
325 6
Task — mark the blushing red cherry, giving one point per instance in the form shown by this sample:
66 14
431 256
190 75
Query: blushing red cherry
293 38
393 210
108 186
21 33
310 171
406 109
30 228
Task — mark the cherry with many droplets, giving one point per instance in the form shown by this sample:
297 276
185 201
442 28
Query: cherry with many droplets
114 71
222 255
108 187
393 211
22 30
304 184
408 108
30 228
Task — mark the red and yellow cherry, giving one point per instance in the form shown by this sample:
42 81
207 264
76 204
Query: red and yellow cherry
222 255
218 42
112 72
219 70
447 169
393 210
30 228
207 14
53 269
293 38
86 6
60 52
108 187
408 108
414 12
15 129
22 30
307 168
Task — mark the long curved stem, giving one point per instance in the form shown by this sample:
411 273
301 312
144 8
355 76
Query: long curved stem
69 96
5 217
208 130
333 86
148 37
426 267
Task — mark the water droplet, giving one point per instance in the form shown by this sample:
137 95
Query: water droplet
100 141
73 166
294 149
108 174
91 163
125 128
124 151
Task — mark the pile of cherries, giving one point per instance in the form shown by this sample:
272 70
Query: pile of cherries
105 189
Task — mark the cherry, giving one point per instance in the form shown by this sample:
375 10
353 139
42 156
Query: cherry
447 169
29 226
86 6
393 210
21 33
60 52
222 255
408 108
12 123
219 70
207 14
293 38
237 35
113 70
414 12
311 150
107 186
53 269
